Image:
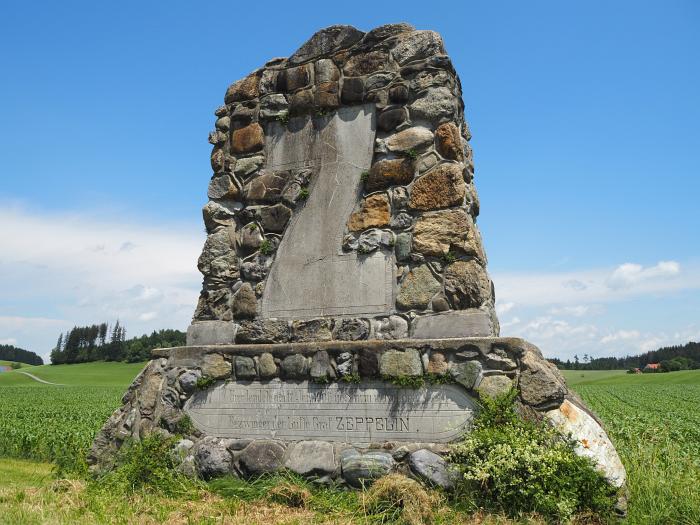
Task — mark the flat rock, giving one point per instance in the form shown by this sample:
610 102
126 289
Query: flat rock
326 41
432 468
211 333
311 458
362 469
261 457
263 331
413 138
448 325
466 374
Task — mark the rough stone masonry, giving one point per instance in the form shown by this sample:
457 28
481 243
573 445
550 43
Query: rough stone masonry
342 266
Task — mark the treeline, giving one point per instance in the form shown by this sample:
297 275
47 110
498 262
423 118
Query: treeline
12 353
687 356
99 342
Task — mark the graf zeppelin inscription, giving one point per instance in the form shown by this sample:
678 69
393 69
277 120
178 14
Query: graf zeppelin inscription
311 276
371 411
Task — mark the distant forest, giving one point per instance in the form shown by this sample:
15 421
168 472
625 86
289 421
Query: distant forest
688 354
12 353
99 342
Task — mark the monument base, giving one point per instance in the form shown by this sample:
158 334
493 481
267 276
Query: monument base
340 410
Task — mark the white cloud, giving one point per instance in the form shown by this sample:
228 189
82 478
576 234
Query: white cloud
620 335
8 341
57 271
502 308
574 311
629 274
595 286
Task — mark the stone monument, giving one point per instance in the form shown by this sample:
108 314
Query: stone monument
346 325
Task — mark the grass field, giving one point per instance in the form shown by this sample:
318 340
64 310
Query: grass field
653 419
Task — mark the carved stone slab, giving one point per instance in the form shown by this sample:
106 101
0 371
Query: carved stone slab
311 276
372 411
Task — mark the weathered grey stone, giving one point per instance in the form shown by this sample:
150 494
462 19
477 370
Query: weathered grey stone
394 363
439 303
274 218
212 458
256 269
362 469
466 284
267 366
414 138
401 221
188 381
219 214
294 78
223 123
326 41
432 468
217 137
215 366
417 45
273 106
294 367
499 360
320 365
541 384
437 105
368 362
244 304
245 367
466 374
311 458
369 241
441 187
266 186
249 238
591 440
218 244
447 325
326 71
245 113
211 333
378 81
398 94
350 329
312 330
261 457
417 288
353 90
403 246
248 165
223 187
494 386
392 327
263 331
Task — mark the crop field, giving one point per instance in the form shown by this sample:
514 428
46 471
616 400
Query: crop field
654 421
58 423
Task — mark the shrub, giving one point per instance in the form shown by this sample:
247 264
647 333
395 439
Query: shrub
400 499
517 467
147 465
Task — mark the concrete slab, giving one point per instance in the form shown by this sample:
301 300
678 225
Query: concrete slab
462 323
311 276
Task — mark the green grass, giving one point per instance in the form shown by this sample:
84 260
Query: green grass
621 377
83 374
654 422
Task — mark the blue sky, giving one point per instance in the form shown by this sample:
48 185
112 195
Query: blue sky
585 131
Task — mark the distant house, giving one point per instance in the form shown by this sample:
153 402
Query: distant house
652 367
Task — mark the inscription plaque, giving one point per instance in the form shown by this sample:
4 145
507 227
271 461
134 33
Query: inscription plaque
371 411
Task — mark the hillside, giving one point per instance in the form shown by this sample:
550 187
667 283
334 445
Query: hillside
98 373
620 377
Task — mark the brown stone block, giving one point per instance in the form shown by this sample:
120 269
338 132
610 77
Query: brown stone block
374 212
365 64
327 95
449 142
248 139
385 173
441 187
244 89
437 233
